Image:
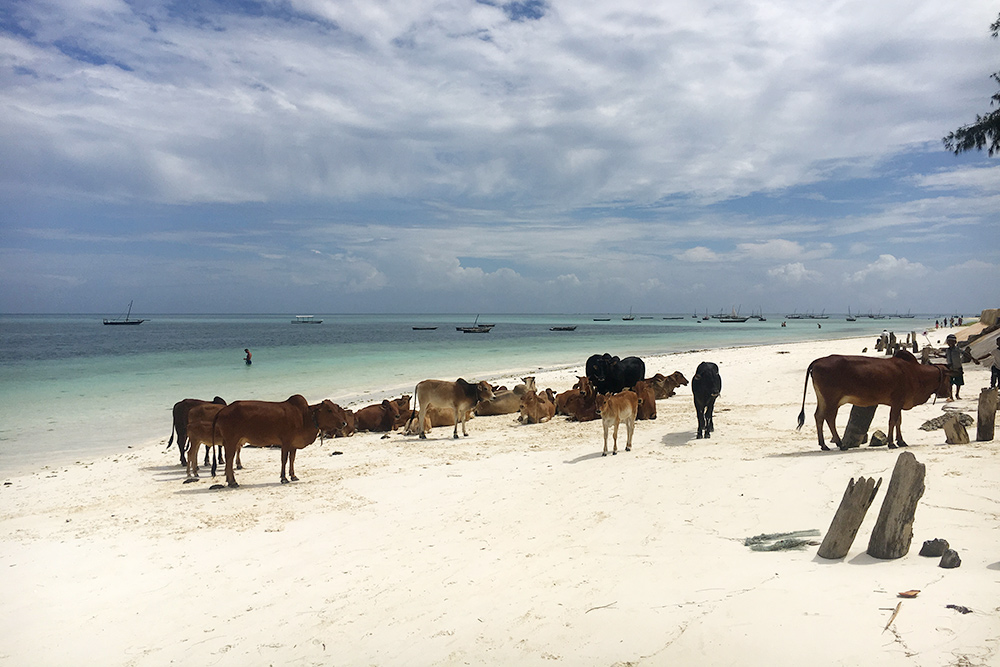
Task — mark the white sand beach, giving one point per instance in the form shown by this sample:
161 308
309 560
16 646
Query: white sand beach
519 545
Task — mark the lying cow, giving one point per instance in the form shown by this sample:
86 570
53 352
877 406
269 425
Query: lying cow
180 417
579 404
615 409
436 416
537 408
900 382
647 400
293 424
505 401
377 418
403 408
459 396
706 385
664 385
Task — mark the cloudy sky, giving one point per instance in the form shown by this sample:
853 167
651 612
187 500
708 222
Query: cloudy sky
479 155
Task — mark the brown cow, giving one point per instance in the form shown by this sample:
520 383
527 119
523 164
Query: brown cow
292 423
615 409
506 401
347 429
536 408
647 400
180 415
900 382
459 396
582 405
403 407
377 418
199 432
664 385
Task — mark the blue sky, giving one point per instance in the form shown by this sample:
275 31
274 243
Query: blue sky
488 156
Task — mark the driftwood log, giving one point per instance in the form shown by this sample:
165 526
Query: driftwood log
893 530
856 432
988 402
844 528
955 432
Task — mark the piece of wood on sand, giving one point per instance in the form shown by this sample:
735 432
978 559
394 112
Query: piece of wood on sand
857 499
989 399
955 432
893 530
856 432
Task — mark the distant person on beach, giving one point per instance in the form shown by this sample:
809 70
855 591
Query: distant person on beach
995 368
248 357
953 361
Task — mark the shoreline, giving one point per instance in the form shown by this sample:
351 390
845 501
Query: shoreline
517 545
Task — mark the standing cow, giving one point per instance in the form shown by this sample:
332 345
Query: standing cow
293 424
180 416
901 382
611 375
459 396
706 385
615 409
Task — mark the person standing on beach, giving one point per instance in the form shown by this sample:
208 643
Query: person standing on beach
248 357
995 368
953 362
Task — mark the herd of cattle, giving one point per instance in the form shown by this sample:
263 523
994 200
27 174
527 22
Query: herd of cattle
616 390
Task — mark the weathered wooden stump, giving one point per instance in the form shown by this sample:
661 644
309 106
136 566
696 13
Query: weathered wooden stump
893 530
856 432
989 399
844 528
955 432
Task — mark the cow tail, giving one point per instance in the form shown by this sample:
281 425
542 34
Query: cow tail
170 442
214 421
805 388
413 413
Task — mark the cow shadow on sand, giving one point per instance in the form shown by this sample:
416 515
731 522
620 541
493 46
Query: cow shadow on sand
586 457
680 439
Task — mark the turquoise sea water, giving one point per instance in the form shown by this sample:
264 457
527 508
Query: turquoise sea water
73 389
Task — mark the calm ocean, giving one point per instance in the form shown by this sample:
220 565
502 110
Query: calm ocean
73 389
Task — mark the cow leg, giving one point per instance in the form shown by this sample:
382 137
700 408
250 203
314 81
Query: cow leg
831 420
291 465
420 428
605 439
709 419
457 419
182 442
231 450
630 427
192 464
615 452
207 450
284 462
700 410
896 422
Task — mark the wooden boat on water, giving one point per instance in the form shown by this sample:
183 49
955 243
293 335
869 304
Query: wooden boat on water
602 319
127 319
629 317
424 328
306 319
476 327
562 328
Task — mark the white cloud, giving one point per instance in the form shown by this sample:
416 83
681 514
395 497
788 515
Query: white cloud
887 267
698 254
793 273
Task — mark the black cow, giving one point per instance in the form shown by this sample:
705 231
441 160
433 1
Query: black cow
706 385
610 375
